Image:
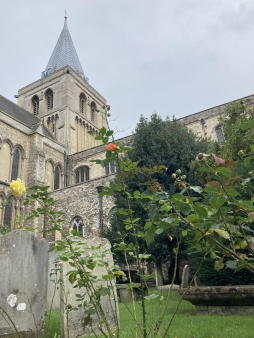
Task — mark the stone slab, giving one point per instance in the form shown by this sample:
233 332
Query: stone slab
23 288
72 321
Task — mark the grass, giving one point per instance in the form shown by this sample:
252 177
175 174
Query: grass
185 325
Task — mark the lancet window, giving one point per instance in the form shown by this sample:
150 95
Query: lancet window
77 225
35 104
93 109
49 99
219 133
82 174
8 213
82 102
110 168
15 164
57 178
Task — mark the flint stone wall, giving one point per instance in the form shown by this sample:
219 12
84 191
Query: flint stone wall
67 294
23 288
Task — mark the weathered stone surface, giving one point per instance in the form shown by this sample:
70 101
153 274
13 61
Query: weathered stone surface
124 294
71 325
53 291
185 277
168 287
23 288
222 300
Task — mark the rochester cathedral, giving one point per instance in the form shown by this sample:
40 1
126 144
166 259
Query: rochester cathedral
44 140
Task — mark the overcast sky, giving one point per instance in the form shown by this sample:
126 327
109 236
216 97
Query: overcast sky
175 57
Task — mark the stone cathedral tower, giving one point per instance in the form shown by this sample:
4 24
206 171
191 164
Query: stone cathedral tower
64 100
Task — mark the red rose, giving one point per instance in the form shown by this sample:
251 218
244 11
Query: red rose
112 147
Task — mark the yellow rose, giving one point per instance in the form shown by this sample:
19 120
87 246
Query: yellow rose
17 187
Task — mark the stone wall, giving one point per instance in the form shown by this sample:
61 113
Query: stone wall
204 123
82 200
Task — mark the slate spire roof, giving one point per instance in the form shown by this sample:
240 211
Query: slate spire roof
64 54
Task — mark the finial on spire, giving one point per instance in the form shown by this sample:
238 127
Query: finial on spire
65 11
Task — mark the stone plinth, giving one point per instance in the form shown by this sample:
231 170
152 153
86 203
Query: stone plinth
221 300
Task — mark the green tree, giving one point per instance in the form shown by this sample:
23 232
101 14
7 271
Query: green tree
156 143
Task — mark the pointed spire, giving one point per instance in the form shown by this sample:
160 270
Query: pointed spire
64 54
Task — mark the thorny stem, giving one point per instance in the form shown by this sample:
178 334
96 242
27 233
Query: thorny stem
10 321
179 303
158 324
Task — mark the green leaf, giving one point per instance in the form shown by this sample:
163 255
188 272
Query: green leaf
224 171
151 297
184 233
193 218
222 233
149 235
247 125
153 213
231 265
103 131
109 132
196 189
185 209
232 192
160 196
217 202
159 231
205 169
200 210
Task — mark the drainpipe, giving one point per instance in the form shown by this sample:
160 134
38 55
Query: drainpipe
99 190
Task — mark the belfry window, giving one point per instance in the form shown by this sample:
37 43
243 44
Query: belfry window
15 164
219 133
35 104
82 174
57 178
82 102
110 168
49 99
93 109
77 225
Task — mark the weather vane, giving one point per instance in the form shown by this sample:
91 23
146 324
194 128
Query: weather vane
65 11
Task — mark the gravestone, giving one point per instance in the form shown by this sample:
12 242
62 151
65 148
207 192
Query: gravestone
196 281
185 277
23 286
72 322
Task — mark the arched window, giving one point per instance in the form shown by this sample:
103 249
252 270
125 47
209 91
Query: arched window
82 174
219 133
93 109
49 99
15 165
82 102
57 178
35 104
77 225
110 168
8 213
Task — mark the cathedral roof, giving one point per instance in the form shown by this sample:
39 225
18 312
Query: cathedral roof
23 116
64 54
17 112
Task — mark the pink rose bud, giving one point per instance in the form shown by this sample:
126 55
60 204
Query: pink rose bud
218 159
